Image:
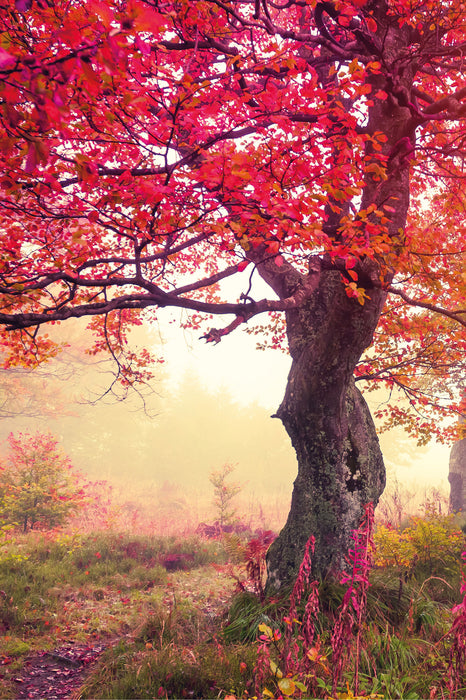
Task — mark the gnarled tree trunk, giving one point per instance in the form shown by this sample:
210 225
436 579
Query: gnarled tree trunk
340 465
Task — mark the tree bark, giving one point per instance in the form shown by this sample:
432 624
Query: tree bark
340 465
457 474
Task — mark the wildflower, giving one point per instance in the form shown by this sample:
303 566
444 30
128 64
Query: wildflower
354 600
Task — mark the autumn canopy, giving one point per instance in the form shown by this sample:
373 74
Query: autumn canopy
151 149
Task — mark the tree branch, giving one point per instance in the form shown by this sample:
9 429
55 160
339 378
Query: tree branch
159 298
458 316
307 287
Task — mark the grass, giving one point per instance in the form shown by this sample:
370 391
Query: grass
56 588
176 628
173 670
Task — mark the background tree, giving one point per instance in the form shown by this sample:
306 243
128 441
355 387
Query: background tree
37 484
224 493
457 468
153 150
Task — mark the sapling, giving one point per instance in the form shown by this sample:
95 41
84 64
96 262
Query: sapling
38 485
224 493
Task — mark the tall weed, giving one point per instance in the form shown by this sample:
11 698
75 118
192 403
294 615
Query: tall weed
353 607
457 659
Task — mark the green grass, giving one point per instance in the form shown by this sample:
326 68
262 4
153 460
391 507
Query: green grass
75 589
185 633
201 671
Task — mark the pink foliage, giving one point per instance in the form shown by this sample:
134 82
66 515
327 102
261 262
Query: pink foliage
297 643
457 663
354 601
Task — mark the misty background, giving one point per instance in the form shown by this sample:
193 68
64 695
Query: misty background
207 406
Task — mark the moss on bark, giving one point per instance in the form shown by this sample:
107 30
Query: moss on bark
340 465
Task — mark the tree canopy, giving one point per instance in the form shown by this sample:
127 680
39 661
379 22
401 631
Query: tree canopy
151 149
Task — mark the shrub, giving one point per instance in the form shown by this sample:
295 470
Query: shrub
37 484
430 546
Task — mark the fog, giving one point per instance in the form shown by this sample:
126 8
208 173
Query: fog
207 406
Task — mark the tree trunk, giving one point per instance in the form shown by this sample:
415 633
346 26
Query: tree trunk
457 474
340 465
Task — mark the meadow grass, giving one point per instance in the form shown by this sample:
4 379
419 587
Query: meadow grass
176 625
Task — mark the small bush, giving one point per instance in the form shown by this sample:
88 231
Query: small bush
430 546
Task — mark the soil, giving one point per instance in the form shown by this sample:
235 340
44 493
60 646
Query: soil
57 674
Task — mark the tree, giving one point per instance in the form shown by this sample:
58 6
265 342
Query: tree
37 485
224 493
457 469
152 150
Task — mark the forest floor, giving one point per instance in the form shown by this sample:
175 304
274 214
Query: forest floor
111 616
57 674
58 616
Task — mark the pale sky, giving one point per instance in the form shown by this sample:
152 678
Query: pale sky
251 375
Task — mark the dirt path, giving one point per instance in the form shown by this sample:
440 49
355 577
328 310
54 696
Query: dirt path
58 674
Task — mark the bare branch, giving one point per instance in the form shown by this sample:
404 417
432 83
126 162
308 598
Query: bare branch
458 316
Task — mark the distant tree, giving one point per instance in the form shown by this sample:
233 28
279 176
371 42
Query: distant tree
37 484
457 467
224 493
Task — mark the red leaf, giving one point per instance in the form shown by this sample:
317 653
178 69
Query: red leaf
31 160
6 59
273 247
243 265
142 46
148 20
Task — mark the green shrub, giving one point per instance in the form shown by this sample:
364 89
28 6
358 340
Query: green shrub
428 549
37 484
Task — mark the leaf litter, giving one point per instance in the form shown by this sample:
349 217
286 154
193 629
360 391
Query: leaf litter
57 674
